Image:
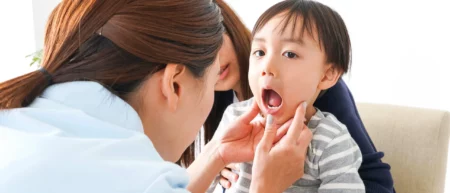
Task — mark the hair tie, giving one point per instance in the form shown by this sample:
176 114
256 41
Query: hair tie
48 76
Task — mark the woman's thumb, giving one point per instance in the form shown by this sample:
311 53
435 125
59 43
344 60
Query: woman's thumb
250 115
270 132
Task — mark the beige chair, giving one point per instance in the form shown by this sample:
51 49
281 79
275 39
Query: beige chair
415 142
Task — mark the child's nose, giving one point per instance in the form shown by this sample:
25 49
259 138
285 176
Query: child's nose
269 69
267 73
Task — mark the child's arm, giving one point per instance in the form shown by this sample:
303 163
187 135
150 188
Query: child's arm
338 166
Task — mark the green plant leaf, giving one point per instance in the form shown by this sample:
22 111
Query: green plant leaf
36 57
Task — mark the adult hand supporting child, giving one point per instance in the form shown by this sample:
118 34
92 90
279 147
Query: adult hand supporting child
227 175
276 167
240 139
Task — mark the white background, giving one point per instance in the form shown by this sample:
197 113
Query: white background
16 37
400 48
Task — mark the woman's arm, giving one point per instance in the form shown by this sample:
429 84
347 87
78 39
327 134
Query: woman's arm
205 168
376 175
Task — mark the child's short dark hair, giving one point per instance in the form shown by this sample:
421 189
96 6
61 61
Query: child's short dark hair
331 30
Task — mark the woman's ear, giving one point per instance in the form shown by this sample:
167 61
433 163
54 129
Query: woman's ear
170 85
330 77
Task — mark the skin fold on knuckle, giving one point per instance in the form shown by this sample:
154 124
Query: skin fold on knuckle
287 151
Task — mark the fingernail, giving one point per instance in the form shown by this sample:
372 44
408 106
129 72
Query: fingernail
269 120
236 178
304 104
237 167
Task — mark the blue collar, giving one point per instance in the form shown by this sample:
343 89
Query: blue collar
92 99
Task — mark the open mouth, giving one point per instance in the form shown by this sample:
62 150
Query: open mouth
272 100
223 71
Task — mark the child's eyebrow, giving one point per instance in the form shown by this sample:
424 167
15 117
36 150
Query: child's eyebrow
259 40
293 40
288 40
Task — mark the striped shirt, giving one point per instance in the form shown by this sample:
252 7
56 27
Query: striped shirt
332 162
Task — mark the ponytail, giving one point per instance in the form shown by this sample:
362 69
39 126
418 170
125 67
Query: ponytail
60 33
119 44
21 91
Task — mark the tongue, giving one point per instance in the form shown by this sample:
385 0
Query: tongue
274 99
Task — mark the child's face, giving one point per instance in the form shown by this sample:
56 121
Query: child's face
285 69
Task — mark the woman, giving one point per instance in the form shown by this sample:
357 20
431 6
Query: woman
233 87
123 88
230 88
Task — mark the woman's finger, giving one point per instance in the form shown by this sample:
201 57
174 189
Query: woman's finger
249 115
225 183
305 137
227 174
281 132
297 124
270 131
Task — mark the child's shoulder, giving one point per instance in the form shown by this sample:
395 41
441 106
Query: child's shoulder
247 103
239 108
326 121
331 140
326 128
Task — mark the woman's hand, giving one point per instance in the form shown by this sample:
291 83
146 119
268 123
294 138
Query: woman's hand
239 141
237 144
276 167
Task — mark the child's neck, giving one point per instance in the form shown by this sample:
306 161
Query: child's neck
310 111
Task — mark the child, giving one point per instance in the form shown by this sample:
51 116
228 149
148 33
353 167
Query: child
299 50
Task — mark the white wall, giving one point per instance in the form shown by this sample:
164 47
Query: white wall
400 48
41 11
24 28
16 38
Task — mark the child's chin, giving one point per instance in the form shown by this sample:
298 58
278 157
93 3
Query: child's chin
282 118
277 119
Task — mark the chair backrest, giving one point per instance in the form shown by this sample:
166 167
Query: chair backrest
415 142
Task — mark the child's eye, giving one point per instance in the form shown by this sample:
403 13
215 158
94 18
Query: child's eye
259 53
290 55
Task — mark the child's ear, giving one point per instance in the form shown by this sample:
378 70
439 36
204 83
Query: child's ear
330 77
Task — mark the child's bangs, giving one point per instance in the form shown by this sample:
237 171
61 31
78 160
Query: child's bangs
291 14
322 23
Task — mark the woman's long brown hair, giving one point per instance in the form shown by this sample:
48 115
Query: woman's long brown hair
241 39
119 44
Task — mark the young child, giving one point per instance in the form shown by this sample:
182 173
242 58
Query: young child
299 50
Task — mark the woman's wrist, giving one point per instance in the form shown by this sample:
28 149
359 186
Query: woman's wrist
205 168
258 186
211 150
